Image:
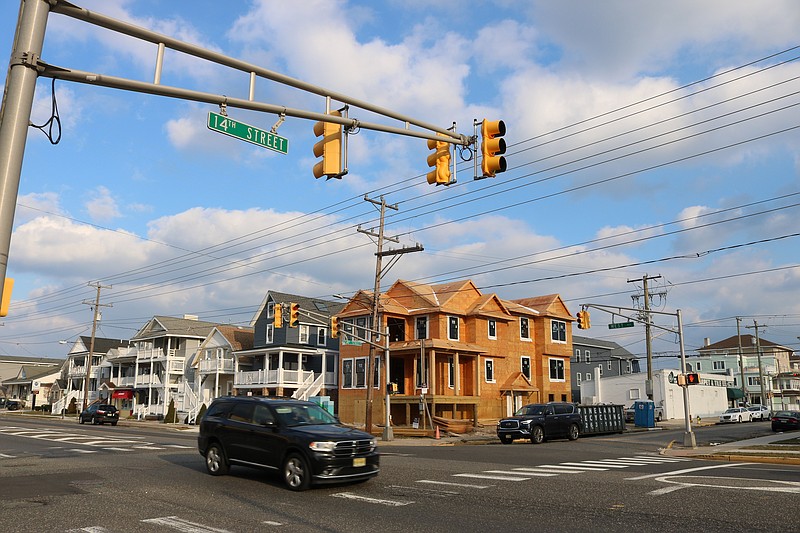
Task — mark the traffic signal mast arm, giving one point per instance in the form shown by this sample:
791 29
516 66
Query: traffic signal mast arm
617 311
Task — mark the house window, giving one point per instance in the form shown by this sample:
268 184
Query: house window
303 334
556 369
422 327
628 368
588 376
608 365
361 332
558 331
451 374
347 373
524 329
526 366
587 356
634 394
577 355
698 366
270 334
347 327
753 381
688 367
452 328
270 309
601 369
321 334
361 373
492 328
489 371
578 378
397 329
719 365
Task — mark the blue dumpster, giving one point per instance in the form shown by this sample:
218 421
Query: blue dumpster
644 413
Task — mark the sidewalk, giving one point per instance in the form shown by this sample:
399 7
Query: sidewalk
767 449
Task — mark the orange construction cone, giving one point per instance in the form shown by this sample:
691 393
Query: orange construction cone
437 433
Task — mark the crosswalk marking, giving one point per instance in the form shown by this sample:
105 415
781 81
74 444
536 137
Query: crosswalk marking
178 523
451 484
494 476
582 468
595 463
80 450
6 456
367 499
516 472
553 470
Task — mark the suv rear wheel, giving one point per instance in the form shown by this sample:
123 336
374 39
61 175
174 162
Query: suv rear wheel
296 473
215 460
537 435
574 432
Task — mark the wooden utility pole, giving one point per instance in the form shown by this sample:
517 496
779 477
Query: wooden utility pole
95 307
379 273
648 336
760 368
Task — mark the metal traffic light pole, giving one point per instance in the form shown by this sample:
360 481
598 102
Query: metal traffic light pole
688 436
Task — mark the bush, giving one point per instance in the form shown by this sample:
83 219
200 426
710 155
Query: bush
172 415
200 414
72 408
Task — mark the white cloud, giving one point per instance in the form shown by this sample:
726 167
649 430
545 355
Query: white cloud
102 206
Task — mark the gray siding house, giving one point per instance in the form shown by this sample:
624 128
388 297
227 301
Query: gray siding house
588 354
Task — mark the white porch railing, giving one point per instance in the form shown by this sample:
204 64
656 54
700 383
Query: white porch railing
271 378
77 371
211 366
176 364
330 379
124 381
154 353
148 379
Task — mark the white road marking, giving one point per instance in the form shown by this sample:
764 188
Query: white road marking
118 449
358 497
180 524
181 447
271 523
688 470
665 490
6 456
518 472
451 484
148 447
604 464
500 478
791 487
431 492
582 468
79 450
555 471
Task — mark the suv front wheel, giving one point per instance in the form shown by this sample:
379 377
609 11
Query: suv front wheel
537 435
215 460
296 473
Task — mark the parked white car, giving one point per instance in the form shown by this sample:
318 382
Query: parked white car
759 412
735 414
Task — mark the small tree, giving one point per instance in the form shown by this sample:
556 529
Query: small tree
172 414
72 408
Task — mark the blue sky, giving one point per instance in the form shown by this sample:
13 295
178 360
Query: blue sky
645 138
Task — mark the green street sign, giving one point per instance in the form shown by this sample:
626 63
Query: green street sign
240 130
620 325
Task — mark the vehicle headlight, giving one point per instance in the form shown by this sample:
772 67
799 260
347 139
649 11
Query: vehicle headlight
323 446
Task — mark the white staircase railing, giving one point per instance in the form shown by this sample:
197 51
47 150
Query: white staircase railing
186 400
310 387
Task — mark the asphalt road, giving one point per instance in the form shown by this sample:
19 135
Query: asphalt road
58 476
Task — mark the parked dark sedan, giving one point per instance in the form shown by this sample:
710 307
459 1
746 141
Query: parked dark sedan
100 413
301 440
785 420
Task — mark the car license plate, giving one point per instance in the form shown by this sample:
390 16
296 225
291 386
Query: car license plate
360 461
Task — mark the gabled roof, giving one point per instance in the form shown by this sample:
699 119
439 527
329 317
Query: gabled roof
748 341
168 326
101 345
489 305
309 303
449 293
28 373
548 305
613 348
240 338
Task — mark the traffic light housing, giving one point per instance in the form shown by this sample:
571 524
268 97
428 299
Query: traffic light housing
329 148
8 286
583 320
440 160
277 320
692 378
334 327
294 315
492 147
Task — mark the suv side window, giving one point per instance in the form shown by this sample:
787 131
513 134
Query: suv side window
263 416
242 412
561 409
218 409
548 410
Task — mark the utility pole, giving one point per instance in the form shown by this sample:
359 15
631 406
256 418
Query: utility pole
648 336
379 273
741 361
760 368
95 307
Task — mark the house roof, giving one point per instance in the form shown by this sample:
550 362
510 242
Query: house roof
101 344
309 303
240 338
746 340
613 348
162 326
548 305
29 373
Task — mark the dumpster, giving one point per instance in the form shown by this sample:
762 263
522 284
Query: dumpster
644 413
599 419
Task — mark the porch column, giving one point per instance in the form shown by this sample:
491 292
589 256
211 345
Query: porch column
432 384
457 377
478 375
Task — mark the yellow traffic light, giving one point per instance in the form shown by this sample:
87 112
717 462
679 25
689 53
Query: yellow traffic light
440 160
294 318
492 146
334 327
583 319
8 286
329 148
277 321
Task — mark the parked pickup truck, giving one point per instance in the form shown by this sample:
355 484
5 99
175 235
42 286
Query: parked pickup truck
630 414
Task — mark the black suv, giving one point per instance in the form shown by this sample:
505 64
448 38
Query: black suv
301 440
100 413
539 421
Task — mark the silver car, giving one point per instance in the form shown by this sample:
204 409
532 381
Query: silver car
735 414
759 412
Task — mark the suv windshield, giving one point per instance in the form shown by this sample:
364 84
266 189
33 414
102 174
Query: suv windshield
530 410
303 415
